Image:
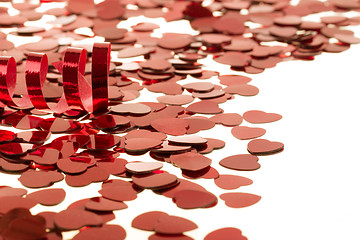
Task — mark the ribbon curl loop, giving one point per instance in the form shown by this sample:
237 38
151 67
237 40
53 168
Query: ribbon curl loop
78 92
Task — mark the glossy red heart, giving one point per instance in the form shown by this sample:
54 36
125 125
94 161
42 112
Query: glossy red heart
242 162
255 116
264 147
239 199
244 133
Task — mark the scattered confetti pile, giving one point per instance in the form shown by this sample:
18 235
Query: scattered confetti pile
70 79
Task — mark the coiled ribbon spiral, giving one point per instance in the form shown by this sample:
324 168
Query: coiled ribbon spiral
78 93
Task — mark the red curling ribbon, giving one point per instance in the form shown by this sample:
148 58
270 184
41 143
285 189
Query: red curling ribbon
78 93
75 86
99 77
35 74
8 83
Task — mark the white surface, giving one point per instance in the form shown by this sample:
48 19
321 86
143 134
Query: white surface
309 191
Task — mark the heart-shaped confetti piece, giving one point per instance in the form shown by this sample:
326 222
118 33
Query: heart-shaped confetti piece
255 116
244 133
239 199
191 199
264 147
241 162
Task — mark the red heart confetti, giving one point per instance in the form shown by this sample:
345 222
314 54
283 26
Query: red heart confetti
239 199
8 166
36 137
135 108
199 86
176 100
8 203
199 123
242 162
49 219
141 144
212 144
37 179
143 167
183 185
231 182
264 147
110 232
191 199
187 140
227 119
256 116
236 59
102 141
103 204
112 165
158 236
226 233
173 225
205 107
244 133
44 156
118 193
11 215
168 148
30 227
6 136
142 133
229 80
190 161
148 220
16 149
68 165
206 173
92 174
242 89
171 126
73 219
157 180
48 197
9 191
168 88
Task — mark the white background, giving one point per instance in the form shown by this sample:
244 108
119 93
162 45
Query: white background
309 191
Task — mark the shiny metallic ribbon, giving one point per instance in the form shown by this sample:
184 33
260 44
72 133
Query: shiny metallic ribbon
78 93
